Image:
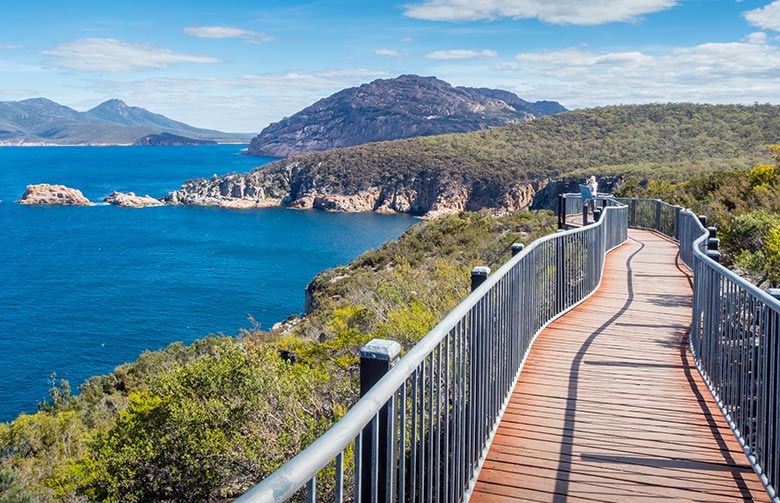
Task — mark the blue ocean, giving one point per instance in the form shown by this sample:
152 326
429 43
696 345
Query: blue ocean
84 289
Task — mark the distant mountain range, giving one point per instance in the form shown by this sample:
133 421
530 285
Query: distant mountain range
42 121
392 109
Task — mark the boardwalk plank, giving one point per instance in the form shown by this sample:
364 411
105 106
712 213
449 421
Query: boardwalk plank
609 406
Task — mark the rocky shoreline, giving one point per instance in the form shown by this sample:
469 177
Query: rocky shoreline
429 196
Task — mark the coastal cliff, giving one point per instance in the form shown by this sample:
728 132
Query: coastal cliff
506 168
299 185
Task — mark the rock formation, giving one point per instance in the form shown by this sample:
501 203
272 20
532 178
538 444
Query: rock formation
45 194
130 200
229 191
390 109
294 185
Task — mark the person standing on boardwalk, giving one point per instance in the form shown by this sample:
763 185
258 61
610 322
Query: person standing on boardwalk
593 185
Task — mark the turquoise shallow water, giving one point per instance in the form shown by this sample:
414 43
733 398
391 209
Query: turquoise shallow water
83 290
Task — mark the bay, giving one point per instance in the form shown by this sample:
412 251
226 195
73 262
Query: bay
84 289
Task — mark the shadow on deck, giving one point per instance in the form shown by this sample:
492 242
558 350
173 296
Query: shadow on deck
610 407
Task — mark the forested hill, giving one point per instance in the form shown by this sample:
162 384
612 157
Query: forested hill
503 167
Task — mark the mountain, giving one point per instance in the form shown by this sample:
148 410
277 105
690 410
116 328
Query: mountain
40 120
392 109
507 168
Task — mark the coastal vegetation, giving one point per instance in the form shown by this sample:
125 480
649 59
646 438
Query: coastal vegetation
743 203
610 140
505 167
205 422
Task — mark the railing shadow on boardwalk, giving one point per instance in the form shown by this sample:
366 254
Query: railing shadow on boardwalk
423 430
564 468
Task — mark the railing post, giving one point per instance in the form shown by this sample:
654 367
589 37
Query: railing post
584 212
561 211
517 248
657 215
560 276
478 276
714 255
703 220
597 214
677 210
376 359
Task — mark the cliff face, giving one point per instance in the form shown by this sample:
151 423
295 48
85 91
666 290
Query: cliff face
391 109
297 185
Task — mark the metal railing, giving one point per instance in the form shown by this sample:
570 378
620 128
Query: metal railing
734 336
422 432
734 341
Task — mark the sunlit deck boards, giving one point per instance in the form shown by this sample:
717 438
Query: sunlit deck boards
609 406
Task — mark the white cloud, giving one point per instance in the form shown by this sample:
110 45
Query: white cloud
111 55
735 72
247 103
550 11
758 37
10 67
461 54
227 32
407 40
388 52
766 18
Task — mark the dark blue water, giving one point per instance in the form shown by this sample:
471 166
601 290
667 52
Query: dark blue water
84 289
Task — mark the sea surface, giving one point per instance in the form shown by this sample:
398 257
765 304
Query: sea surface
84 289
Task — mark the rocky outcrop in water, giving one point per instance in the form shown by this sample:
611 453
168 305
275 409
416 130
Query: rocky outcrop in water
54 195
130 200
169 140
228 191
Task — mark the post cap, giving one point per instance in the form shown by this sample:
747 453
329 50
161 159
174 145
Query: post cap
518 246
381 349
714 255
774 292
560 230
481 270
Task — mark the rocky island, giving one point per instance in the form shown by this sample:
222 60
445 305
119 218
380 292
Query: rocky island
53 195
169 140
130 200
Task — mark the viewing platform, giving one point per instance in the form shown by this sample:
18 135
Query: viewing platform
609 406
617 361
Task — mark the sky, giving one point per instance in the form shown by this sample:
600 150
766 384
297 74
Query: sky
239 65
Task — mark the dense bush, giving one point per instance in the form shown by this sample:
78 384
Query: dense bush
744 204
205 422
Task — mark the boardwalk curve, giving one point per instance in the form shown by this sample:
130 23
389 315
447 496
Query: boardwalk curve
610 407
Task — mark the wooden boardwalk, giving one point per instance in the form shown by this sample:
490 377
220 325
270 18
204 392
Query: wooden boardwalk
609 406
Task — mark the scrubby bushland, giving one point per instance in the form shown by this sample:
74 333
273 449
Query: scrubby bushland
743 203
205 422
676 140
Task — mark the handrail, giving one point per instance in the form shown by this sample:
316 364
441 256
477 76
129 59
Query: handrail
445 396
735 345
734 337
